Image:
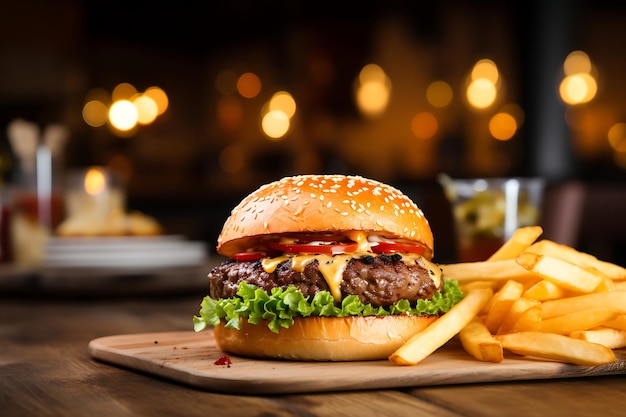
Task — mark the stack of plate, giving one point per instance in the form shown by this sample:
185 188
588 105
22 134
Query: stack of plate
124 252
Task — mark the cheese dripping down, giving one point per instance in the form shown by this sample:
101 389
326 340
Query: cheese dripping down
333 266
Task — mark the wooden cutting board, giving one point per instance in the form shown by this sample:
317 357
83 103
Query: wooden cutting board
189 358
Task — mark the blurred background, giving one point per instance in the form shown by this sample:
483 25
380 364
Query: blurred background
196 104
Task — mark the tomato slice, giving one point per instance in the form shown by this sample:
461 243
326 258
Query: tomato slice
249 256
393 247
330 249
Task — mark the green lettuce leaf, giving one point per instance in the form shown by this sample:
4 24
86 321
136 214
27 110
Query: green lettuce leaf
280 307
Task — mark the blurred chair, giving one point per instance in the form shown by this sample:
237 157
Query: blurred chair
562 214
603 229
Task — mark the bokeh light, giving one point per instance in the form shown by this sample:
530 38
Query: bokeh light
482 84
160 98
249 85
617 137
439 94
578 88
128 109
275 124
147 109
485 68
481 93
95 181
373 90
424 125
502 126
284 102
123 115
95 113
123 91
577 62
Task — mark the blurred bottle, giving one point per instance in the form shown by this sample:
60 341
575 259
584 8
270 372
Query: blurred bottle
37 201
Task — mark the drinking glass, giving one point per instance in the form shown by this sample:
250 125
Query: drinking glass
487 211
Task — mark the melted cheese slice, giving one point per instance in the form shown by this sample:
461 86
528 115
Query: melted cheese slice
333 266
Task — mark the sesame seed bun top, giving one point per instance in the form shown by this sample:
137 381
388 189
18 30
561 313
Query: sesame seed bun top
323 203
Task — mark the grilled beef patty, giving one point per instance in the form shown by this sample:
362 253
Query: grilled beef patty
379 280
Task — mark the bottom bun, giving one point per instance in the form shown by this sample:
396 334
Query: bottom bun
323 338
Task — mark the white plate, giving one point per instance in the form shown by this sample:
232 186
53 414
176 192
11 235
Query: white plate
124 252
96 243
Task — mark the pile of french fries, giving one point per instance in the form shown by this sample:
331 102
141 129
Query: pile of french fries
535 298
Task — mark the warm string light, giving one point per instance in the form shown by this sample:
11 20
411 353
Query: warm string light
579 85
125 108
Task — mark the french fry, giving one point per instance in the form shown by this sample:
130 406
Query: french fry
579 320
611 338
618 323
441 330
501 303
620 286
544 290
585 260
500 271
518 308
478 342
615 300
607 284
535 298
557 347
560 272
521 239
528 321
467 287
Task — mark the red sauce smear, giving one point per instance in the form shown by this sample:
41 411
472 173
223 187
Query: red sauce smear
224 360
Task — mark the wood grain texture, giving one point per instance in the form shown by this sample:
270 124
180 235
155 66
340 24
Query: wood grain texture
46 370
189 358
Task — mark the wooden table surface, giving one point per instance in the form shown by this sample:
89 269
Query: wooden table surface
46 370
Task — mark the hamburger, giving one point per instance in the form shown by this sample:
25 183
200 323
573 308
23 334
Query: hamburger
324 268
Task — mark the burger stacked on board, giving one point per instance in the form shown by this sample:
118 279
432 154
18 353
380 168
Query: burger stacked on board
324 268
